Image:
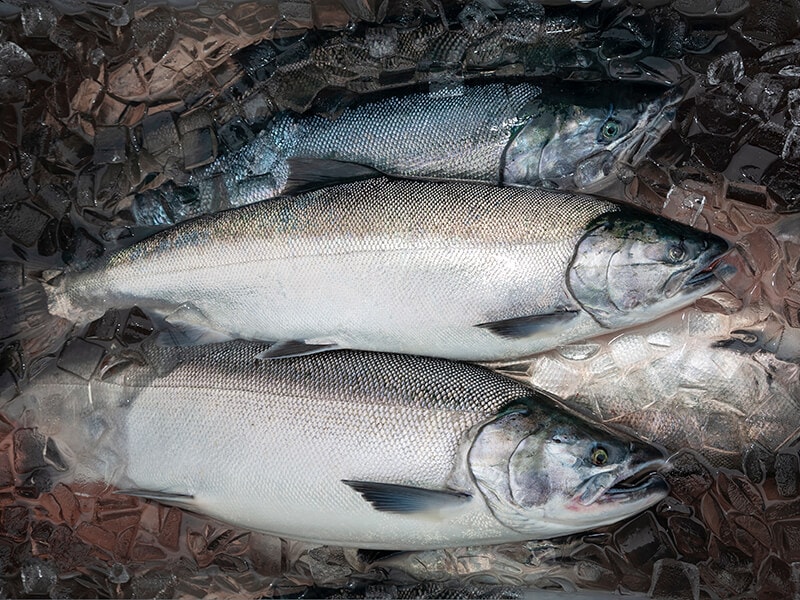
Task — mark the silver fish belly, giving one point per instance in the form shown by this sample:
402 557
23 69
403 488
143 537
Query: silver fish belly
356 449
454 270
517 134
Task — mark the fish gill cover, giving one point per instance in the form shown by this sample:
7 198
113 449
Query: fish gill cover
119 116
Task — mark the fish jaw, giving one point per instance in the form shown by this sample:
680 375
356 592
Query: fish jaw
702 279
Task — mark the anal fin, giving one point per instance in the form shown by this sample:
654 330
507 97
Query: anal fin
291 348
529 325
393 498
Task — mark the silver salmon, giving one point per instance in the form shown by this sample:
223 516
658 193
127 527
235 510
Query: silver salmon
515 134
706 381
454 270
354 449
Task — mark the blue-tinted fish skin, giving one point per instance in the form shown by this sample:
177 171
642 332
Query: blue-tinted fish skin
513 134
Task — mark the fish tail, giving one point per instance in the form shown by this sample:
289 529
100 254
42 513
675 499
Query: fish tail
60 435
26 322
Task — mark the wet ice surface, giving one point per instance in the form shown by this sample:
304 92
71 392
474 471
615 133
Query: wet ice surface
110 102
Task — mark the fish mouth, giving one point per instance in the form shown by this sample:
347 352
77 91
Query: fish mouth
703 278
639 483
703 274
636 488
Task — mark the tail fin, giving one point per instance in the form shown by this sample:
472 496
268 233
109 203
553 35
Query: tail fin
26 326
62 431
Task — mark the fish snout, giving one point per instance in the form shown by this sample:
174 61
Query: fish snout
645 457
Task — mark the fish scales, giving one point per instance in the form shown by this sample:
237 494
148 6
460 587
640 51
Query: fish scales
385 265
268 445
464 135
517 134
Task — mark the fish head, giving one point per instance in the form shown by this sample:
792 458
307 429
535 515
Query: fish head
576 146
630 268
548 472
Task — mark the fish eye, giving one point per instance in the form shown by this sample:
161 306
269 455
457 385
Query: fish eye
676 253
599 456
610 130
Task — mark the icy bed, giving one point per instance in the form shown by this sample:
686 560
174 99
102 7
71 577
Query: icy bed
104 103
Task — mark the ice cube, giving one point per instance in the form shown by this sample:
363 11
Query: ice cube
23 223
12 188
193 84
728 67
675 580
787 536
690 476
783 179
381 41
579 351
476 19
720 111
118 573
640 541
83 249
109 144
774 578
757 462
258 60
257 109
794 105
690 535
136 328
199 148
791 147
14 61
38 577
786 473
118 15
763 93
768 23
159 132
300 14
12 90
81 357
37 21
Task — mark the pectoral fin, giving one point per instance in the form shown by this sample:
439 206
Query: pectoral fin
389 497
306 174
530 325
290 348
175 498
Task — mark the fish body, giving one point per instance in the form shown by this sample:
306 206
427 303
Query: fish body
514 134
355 449
697 380
454 270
